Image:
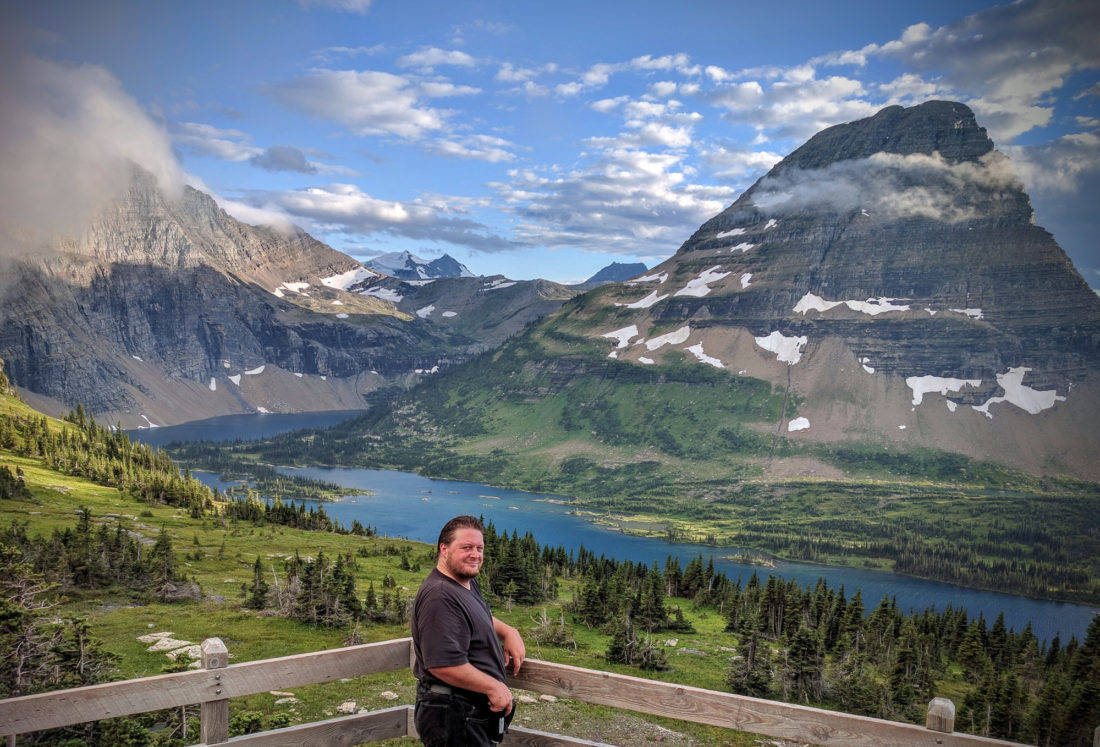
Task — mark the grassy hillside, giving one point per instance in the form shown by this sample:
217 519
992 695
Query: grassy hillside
691 452
219 556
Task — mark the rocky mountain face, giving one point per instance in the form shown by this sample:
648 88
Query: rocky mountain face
168 310
889 277
482 311
616 272
408 266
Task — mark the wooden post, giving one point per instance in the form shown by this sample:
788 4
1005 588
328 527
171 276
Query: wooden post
1096 737
941 715
214 714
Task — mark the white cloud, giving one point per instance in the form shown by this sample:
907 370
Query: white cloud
347 209
909 89
1093 90
477 147
68 137
226 144
662 89
796 107
530 89
366 102
441 89
509 73
895 186
626 201
1006 60
428 58
568 89
718 74
598 75
736 163
1057 166
604 106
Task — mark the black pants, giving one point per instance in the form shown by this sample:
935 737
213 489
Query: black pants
452 720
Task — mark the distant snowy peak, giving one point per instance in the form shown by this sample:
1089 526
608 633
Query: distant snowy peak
408 266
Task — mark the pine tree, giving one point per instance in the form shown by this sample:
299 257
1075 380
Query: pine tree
257 592
804 668
750 673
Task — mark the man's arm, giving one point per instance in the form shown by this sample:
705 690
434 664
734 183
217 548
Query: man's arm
514 650
469 677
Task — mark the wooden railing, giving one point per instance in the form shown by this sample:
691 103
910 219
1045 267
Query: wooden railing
217 682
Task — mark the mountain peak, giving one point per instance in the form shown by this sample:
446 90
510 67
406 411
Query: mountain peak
616 272
945 127
407 266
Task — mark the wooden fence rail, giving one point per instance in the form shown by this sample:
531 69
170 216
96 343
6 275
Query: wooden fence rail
217 682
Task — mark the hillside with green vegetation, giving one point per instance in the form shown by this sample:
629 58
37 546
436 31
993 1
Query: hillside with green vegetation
690 452
111 558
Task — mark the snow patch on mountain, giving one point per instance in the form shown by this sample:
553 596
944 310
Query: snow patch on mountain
697 351
659 277
872 306
922 385
386 294
798 424
425 312
623 336
645 303
345 280
700 286
672 338
1017 393
787 349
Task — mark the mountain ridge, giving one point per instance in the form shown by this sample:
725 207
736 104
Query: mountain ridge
913 304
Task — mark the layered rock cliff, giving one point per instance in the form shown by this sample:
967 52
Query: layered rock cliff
164 310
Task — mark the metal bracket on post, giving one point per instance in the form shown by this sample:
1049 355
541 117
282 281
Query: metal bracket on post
214 713
941 715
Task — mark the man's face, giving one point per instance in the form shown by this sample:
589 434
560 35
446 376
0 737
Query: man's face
463 556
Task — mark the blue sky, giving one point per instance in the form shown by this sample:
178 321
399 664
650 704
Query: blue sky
544 139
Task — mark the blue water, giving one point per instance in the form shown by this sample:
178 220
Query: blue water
243 427
403 504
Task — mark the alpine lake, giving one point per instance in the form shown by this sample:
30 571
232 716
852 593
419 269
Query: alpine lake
405 504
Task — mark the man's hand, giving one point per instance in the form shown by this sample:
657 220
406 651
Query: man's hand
514 650
500 699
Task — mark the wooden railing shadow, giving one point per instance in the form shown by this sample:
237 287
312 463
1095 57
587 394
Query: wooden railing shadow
217 682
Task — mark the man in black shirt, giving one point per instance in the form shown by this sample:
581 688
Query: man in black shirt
461 649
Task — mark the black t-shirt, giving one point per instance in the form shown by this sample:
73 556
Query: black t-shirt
452 625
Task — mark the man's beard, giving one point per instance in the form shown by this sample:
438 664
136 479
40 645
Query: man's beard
459 573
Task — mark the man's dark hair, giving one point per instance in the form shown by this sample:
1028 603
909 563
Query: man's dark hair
447 534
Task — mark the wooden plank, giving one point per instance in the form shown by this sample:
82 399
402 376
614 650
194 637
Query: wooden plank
771 718
345 730
83 704
520 735
214 714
